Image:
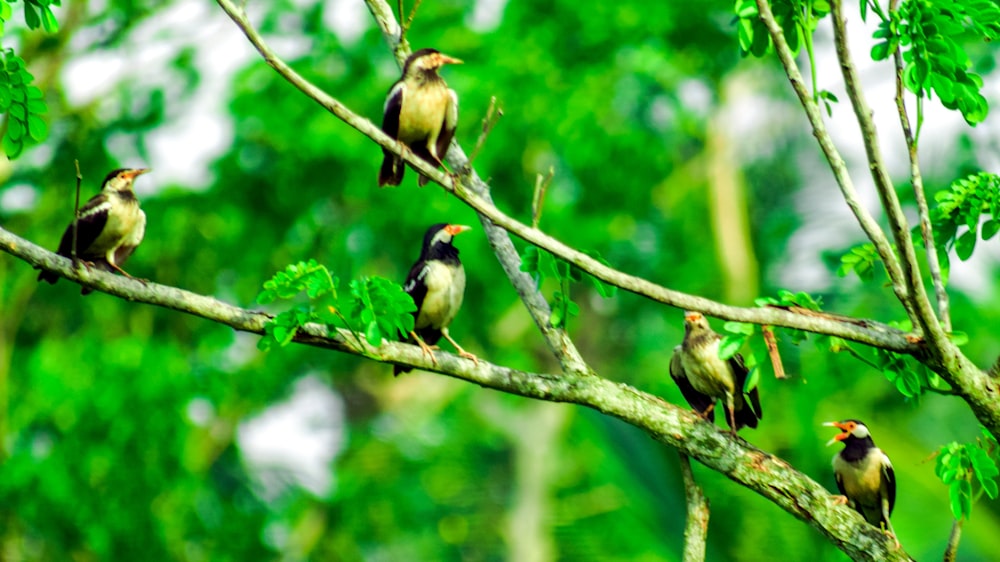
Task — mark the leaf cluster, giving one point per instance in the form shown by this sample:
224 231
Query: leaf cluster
931 35
378 307
969 470
541 264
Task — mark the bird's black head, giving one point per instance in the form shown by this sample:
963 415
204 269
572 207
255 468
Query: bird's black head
438 239
427 61
121 179
854 433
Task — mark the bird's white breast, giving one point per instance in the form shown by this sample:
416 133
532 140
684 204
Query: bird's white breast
423 111
865 487
445 290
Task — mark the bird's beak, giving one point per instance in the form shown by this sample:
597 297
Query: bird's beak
454 229
691 316
445 59
132 174
839 436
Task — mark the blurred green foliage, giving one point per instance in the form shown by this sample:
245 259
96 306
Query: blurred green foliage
120 423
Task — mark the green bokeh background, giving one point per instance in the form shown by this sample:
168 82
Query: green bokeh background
666 147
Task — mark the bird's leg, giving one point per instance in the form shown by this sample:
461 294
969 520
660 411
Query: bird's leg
731 412
426 348
839 499
888 524
461 352
704 415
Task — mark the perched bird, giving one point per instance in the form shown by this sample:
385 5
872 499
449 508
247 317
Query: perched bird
864 474
437 284
421 112
110 226
704 378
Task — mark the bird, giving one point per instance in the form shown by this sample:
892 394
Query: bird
704 378
421 112
864 474
109 226
436 283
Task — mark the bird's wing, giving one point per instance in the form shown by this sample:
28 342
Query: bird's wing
415 286
698 401
839 479
449 126
889 481
740 373
391 109
93 217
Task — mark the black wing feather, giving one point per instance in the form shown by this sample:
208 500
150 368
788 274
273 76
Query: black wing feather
747 412
417 289
89 227
890 486
391 172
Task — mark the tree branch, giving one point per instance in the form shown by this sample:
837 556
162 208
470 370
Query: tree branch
696 529
836 161
924 318
769 476
923 211
862 331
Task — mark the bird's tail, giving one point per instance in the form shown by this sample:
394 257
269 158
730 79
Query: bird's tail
391 172
48 276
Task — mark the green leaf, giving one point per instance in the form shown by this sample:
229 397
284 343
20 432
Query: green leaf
38 130
965 244
990 229
743 328
730 345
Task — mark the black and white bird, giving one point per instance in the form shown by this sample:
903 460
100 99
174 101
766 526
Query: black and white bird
437 285
421 112
864 474
704 378
110 226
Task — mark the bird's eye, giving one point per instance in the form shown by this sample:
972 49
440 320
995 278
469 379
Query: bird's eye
851 426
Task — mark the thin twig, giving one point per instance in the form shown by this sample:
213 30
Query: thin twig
923 211
542 184
493 115
920 310
409 19
951 551
834 158
696 529
772 351
76 214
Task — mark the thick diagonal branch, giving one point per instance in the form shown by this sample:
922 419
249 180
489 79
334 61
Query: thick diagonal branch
767 475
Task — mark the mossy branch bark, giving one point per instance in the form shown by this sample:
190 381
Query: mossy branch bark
769 476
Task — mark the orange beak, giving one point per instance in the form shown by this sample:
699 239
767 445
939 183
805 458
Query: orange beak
839 436
454 229
691 316
445 59
132 174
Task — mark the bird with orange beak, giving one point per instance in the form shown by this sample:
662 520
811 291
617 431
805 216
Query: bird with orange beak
436 283
864 474
421 112
703 377
110 226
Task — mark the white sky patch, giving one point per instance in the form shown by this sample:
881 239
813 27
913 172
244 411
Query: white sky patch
21 197
348 19
296 439
487 15
828 223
